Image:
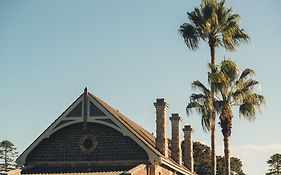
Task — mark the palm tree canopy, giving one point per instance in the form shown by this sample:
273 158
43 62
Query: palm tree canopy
215 24
235 89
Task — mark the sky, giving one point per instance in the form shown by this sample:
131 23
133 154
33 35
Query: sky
129 53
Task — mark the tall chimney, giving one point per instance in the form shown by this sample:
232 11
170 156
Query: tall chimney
176 152
161 126
188 147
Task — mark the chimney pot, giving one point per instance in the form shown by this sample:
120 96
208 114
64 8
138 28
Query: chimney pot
160 100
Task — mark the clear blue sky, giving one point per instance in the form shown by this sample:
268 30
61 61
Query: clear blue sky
128 53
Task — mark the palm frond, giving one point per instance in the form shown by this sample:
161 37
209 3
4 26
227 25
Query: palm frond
246 73
190 35
195 17
206 122
240 36
230 69
200 86
219 81
203 104
204 111
249 85
232 34
247 111
243 89
192 105
200 98
251 104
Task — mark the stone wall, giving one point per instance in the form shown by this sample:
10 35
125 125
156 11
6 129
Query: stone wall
159 170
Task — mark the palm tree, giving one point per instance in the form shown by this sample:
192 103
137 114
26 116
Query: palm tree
233 90
203 103
217 25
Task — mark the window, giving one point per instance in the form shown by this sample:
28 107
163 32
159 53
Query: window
88 143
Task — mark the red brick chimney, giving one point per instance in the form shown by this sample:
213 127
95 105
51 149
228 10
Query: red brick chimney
176 151
161 126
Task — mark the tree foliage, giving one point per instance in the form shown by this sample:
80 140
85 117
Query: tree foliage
214 23
202 103
202 161
235 163
274 164
7 156
202 158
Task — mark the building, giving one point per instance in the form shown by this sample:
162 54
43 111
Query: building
92 138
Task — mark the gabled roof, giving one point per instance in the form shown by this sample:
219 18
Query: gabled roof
81 111
87 107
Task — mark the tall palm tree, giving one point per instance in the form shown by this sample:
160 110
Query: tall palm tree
203 103
217 25
234 90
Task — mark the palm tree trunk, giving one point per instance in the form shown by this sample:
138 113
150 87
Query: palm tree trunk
213 127
5 160
226 140
213 151
213 53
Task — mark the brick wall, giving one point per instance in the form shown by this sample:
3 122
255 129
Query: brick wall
64 146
